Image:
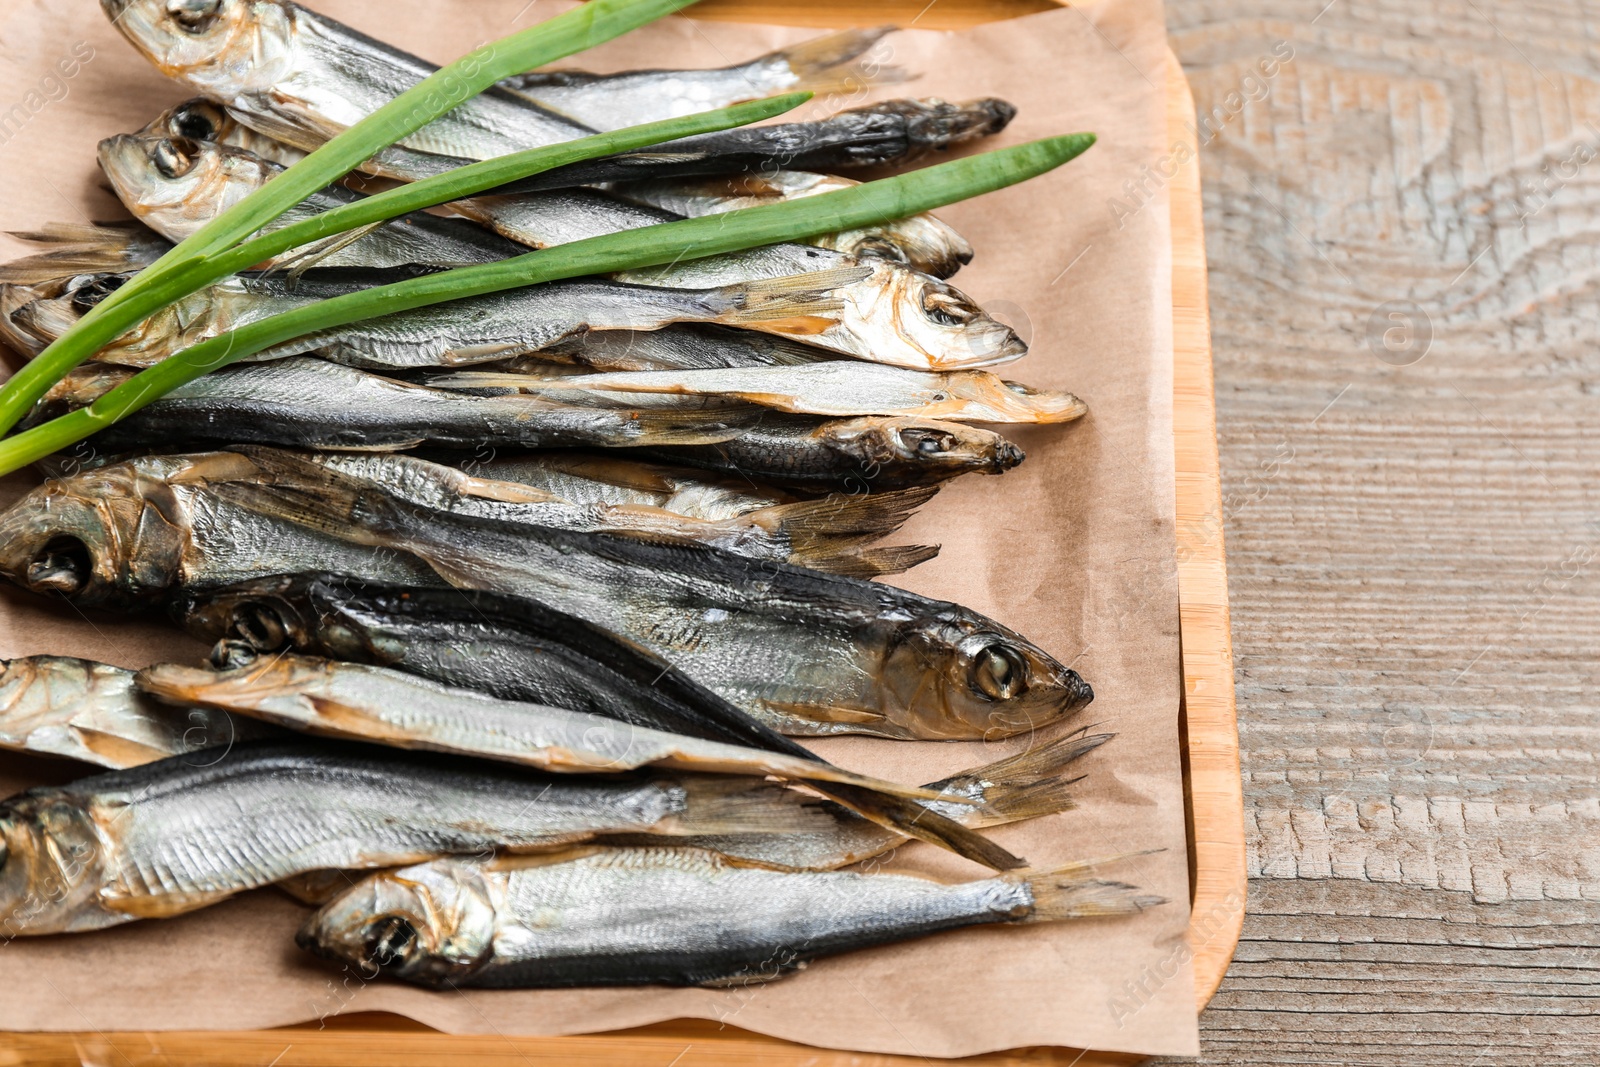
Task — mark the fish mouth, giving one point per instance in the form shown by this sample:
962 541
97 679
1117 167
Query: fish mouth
1006 456
63 566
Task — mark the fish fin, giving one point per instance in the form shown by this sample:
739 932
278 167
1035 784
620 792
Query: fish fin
876 562
772 970
1031 765
1057 895
159 906
1024 786
804 300
302 259
744 806
916 820
81 248
1007 802
839 514
816 62
798 716
319 886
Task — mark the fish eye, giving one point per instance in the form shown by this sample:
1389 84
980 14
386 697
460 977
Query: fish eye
193 16
94 289
998 672
197 122
62 566
260 627
927 442
174 157
946 308
387 939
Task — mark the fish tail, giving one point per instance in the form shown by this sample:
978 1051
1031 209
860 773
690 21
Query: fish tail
817 62
1057 895
731 805
830 533
808 300
1035 763
912 819
1024 786
857 562
81 248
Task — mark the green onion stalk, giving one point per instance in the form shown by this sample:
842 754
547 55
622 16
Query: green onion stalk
183 269
862 205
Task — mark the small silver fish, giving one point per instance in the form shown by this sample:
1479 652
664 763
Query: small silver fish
841 388
361 702
664 916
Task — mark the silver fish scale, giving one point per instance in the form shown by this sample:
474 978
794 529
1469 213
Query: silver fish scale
503 325
229 543
273 817
744 644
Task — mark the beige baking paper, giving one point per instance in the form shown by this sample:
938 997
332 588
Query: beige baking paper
1075 548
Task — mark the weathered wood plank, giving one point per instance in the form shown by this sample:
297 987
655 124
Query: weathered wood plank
1411 545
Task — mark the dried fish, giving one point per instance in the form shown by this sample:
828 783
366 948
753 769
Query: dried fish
176 835
837 388
585 478
557 216
832 63
311 403
65 706
361 702
806 652
860 455
83 248
671 916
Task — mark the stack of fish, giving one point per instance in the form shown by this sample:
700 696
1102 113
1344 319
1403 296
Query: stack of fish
518 601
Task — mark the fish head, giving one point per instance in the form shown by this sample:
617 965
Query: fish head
250 619
921 242
910 319
51 859
175 185
954 675
49 316
228 46
432 923
892 451
110 537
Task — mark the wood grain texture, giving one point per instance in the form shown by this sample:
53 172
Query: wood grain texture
1411 545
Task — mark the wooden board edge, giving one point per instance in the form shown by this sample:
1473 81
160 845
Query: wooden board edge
1209 722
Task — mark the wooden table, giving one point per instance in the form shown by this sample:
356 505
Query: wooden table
1412 546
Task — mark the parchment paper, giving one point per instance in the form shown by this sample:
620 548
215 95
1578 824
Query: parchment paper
1075 548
